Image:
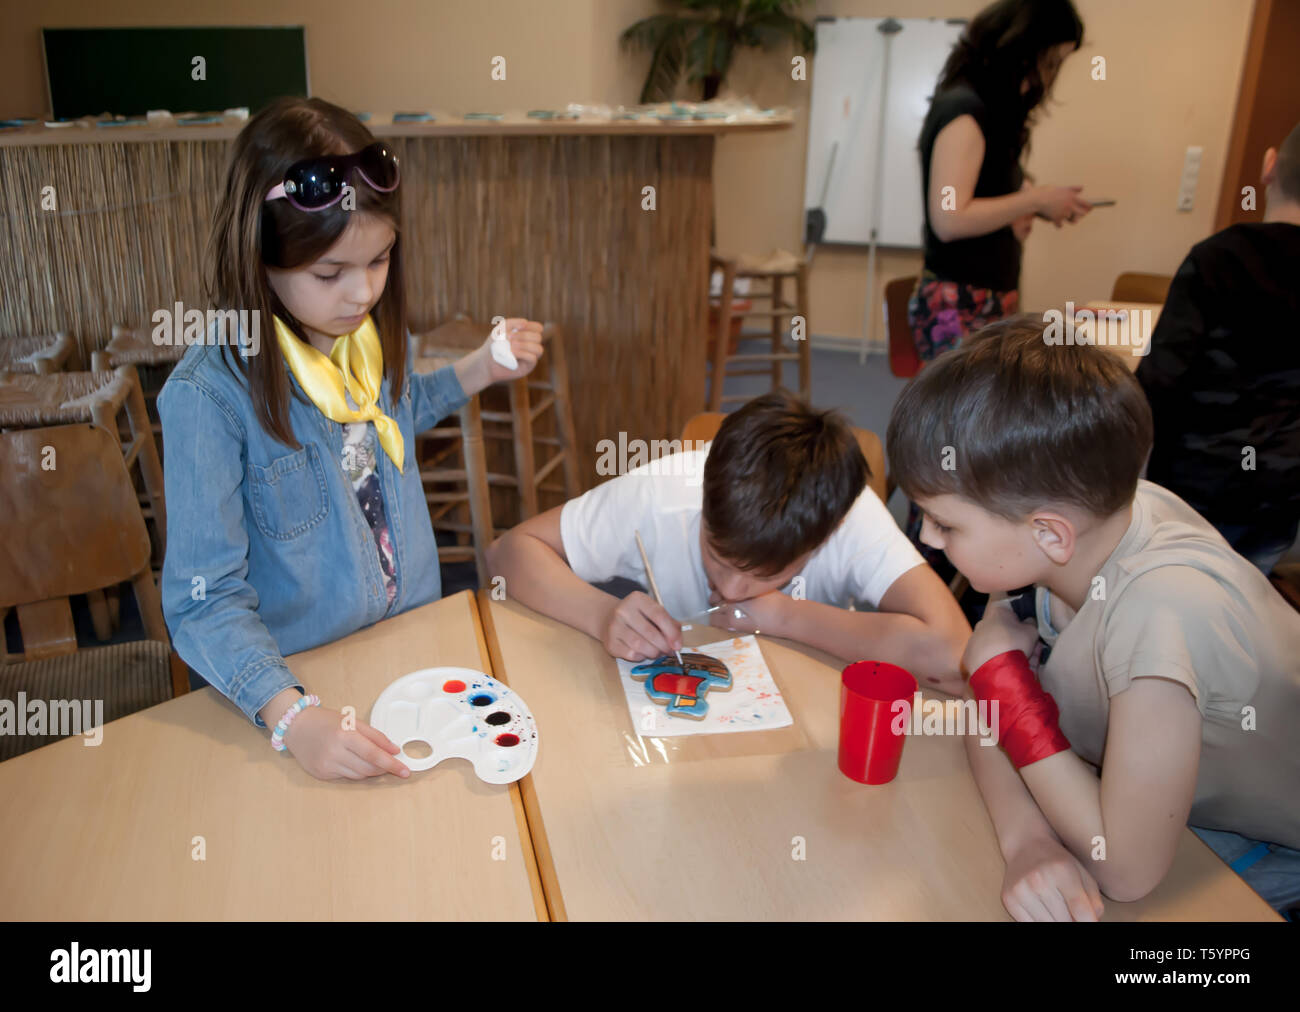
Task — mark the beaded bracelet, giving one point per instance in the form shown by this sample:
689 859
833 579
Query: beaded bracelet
277 736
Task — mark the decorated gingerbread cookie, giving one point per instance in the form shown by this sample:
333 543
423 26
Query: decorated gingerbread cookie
682 689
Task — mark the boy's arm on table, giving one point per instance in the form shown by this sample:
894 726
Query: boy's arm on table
1131 818
1043 881
1125 825
919 626
532 560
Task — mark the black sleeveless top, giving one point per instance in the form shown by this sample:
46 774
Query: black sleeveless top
985 261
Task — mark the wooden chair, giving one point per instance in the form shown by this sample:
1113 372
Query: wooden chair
1137 287
111 400
460 489
154 363
74 525
903 359
42 355
775 271
530 398
704 426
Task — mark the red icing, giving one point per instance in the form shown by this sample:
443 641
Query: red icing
677 685
507 740
455 685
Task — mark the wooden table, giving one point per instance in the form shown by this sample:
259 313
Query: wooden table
108 832
714 831
1126 351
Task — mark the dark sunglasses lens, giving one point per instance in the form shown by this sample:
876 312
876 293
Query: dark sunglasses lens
315 183
379 165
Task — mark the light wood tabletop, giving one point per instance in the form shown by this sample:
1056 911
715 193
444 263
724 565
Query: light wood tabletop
1133 334
762 825
109 832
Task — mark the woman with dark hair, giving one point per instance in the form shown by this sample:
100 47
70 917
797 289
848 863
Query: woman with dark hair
978 204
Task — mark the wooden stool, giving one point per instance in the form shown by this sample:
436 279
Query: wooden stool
100 398
134 346
468 495
775 269
40 356
518 425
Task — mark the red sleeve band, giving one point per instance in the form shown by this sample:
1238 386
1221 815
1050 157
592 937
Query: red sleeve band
1024 714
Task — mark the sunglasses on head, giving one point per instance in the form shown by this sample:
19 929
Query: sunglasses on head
317 183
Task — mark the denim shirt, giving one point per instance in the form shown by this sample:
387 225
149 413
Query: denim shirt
268 552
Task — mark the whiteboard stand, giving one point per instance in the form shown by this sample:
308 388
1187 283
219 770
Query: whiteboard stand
888 28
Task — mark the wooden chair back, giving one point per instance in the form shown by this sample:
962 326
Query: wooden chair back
1137 287
903 359
74 525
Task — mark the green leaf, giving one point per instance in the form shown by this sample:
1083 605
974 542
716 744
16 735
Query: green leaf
666 65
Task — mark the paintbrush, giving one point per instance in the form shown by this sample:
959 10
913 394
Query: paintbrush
654 587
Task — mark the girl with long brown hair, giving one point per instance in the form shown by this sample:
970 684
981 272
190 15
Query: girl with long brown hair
296 507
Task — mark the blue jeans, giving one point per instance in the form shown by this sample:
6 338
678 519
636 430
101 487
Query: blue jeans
1270 869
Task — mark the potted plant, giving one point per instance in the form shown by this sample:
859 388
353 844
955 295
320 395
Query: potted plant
700 39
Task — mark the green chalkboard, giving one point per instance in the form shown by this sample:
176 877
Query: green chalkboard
128 71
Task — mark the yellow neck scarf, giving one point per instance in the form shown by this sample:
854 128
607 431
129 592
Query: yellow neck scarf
356 363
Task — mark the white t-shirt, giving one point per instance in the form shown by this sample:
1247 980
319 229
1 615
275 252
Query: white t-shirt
859 561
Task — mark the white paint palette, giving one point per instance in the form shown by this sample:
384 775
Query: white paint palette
459 713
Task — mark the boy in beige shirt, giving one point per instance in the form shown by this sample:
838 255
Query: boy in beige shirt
1168 691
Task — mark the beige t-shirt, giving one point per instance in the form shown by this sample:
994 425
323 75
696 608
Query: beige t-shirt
1180 604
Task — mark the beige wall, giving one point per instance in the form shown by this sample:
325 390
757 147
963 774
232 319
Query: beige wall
1173 68
382 55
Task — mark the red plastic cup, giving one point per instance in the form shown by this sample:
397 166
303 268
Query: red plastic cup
869 749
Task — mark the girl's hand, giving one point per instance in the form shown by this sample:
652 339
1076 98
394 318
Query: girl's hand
317 739
996 633
1045 882
1022 226
479 369
1061 203
525 340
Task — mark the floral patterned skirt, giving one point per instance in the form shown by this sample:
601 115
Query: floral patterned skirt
941 313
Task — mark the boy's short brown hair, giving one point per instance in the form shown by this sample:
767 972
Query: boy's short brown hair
778 480
1013 424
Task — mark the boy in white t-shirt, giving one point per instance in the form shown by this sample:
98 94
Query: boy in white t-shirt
775 516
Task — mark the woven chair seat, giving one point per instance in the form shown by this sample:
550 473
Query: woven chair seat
126 676
130 347
20 354
61 399
778 261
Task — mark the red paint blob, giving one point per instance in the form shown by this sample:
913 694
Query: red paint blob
453 686
507 740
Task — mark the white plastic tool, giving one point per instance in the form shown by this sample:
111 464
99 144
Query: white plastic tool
460 713
501 348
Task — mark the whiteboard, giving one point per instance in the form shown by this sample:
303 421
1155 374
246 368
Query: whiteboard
847 86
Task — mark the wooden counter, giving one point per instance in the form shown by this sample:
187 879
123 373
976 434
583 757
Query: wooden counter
522 217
